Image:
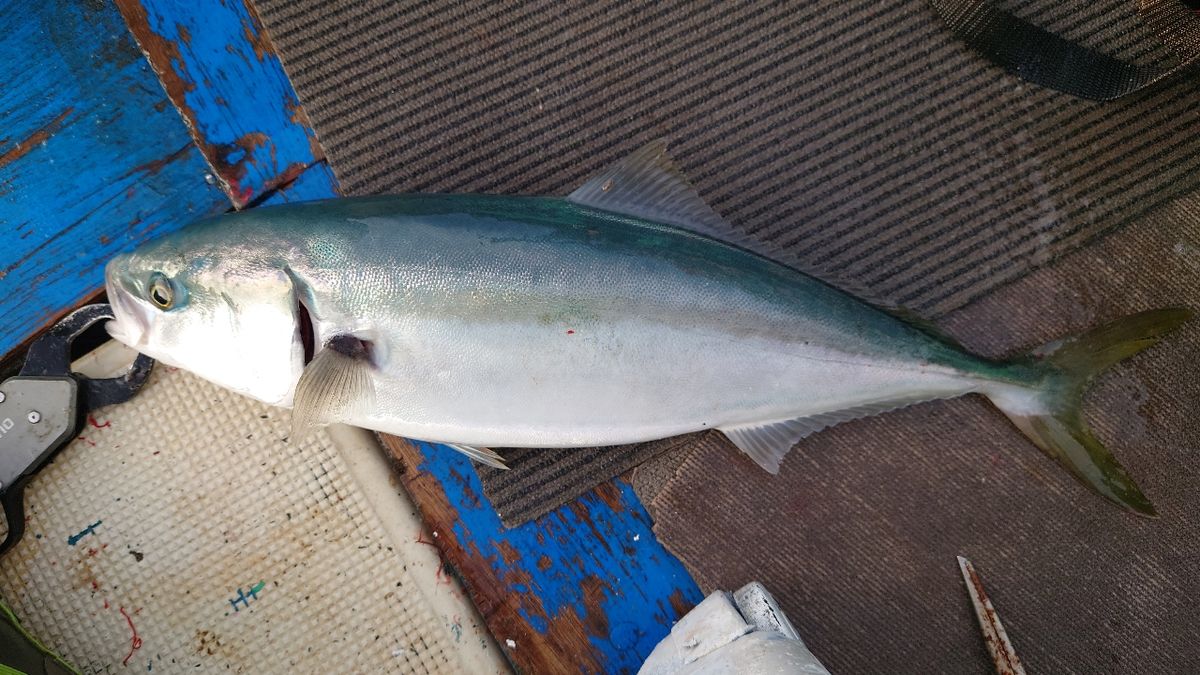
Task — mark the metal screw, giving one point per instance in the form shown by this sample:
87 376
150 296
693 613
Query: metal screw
1 397
34 417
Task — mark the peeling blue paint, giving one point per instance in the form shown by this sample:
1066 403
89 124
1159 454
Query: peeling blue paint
93 159
232 89
584 540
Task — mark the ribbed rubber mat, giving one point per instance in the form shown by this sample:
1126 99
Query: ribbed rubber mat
539 481
882 153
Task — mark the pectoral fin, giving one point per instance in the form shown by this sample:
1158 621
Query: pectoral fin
335 387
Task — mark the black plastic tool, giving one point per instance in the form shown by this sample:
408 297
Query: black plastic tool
44 407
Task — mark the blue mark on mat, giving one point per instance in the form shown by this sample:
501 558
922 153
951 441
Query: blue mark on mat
90 529
244 597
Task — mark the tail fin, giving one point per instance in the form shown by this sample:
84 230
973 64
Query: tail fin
1053 420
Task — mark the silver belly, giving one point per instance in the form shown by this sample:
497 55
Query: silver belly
623 381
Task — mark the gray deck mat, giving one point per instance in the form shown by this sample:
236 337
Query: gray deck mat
885 156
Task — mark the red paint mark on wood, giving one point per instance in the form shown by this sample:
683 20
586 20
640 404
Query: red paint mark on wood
679 604
232 171
610 495
38 137
135 640
301 118
151 168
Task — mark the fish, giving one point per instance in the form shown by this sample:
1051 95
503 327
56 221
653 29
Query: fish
625 312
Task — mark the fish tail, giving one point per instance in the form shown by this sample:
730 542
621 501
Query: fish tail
1052 417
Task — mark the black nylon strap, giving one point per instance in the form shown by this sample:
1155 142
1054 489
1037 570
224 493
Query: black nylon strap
1043 58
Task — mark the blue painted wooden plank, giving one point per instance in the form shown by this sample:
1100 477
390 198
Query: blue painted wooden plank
93 159
585 588
315 182
221 71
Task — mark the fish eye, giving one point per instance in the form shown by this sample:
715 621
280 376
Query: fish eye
161 293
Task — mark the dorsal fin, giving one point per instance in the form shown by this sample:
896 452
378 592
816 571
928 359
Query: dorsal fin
649 185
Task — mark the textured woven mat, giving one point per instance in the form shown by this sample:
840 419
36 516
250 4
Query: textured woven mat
541 480
883 154
184 532
857 535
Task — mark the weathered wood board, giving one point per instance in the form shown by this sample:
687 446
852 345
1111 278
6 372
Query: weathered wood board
221 71
93 158
585 588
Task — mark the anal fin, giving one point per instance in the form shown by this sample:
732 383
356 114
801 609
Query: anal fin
767 443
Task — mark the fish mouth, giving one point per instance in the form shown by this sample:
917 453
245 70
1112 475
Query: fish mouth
131 323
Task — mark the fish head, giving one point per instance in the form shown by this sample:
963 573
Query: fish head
223 311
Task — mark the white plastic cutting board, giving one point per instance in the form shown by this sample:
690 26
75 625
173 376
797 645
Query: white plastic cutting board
184 531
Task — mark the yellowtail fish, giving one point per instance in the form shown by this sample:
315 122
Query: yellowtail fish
625 312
